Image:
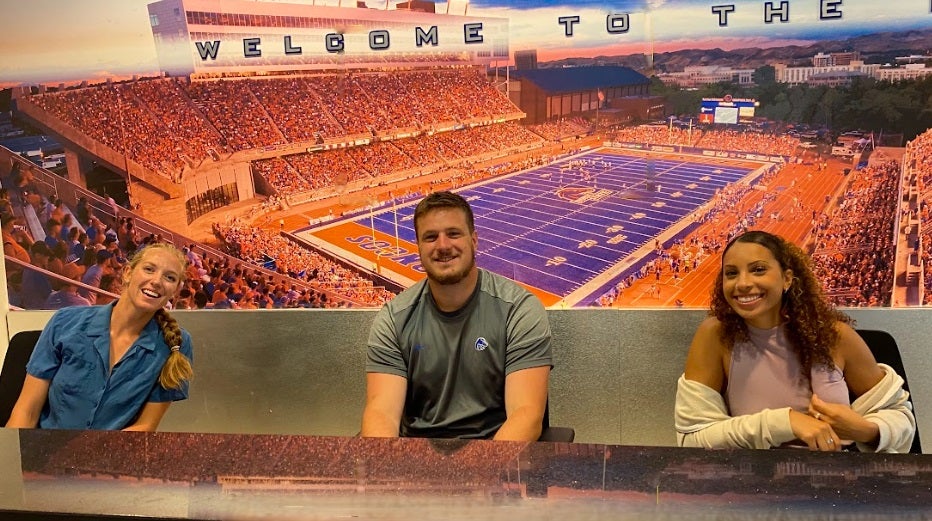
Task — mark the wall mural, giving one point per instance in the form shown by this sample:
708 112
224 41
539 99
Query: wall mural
223 476
609 150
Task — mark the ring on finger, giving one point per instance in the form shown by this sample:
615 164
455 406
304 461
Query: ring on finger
830 441
818 416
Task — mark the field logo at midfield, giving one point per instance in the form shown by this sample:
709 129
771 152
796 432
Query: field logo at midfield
582 194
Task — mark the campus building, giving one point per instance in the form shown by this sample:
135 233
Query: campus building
544 94
833 59
800 75
909 71
699 75
841 74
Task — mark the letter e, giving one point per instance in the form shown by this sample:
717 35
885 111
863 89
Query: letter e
830 10
251 47
472 33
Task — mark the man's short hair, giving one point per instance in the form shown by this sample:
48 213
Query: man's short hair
438 200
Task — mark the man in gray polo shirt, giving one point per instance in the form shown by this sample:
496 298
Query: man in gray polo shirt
464 353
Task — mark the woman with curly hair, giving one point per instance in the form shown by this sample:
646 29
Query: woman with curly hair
775 364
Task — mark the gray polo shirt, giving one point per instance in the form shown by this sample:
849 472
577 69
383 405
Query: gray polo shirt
456 363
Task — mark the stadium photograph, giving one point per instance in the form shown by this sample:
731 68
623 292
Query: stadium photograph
609 152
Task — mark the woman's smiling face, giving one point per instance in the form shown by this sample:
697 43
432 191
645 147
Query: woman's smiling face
753 283
153 280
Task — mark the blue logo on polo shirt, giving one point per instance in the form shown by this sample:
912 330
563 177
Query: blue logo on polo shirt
481 344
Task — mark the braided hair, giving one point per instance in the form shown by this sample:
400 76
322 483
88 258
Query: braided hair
177 368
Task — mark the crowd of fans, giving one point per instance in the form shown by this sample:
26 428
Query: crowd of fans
562 128
115 116
855 245
655 135
233 109
77 247
92 248
297 173
258 247
167 125
920 154
711 139
223 284
193 138
487 139
754 142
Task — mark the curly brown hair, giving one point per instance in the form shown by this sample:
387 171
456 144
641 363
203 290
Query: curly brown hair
808 317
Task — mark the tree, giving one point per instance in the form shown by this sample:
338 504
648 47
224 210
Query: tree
764 75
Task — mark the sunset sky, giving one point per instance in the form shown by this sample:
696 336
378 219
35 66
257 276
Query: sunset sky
52 41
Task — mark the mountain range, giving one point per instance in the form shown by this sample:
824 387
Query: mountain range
874 48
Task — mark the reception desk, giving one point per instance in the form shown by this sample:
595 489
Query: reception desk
614 377
111 475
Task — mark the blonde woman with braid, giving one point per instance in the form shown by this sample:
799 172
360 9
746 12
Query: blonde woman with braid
117 366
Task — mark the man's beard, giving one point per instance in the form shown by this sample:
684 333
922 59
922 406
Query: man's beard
450 278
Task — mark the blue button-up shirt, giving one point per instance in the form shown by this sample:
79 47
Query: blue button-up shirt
73 352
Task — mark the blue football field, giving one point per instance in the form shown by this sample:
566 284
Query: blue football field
574 227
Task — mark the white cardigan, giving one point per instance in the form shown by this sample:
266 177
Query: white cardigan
702 420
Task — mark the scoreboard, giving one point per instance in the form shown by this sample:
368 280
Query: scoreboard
727 110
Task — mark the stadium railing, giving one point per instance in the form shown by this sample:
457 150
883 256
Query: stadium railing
56 277
57 187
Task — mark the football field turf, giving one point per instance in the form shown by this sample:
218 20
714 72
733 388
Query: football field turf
567 230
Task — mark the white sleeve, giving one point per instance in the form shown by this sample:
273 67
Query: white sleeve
702 420
887 405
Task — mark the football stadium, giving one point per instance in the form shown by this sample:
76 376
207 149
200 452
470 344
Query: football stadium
284 146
